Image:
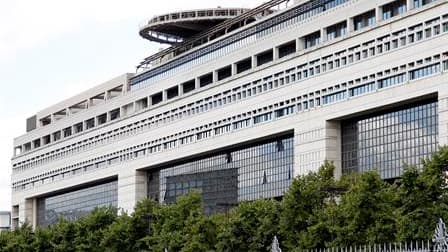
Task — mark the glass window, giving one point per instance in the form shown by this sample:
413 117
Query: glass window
261 170
393 9
75 204
385 141
364 20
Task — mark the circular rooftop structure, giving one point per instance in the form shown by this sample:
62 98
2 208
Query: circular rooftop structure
177 27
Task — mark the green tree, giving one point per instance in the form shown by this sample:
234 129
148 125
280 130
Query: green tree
423 197
127 232
365 213
302 218
250 226
171 225
90 229
19 240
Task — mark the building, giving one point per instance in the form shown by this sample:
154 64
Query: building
5 221
240 108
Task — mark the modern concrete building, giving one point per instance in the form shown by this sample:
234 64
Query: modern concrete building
5 221
238 109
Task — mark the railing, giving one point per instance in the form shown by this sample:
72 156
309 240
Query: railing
415 246
439 243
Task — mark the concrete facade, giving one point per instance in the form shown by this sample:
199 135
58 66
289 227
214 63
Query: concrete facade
57 156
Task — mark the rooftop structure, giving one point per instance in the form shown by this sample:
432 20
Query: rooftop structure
174 28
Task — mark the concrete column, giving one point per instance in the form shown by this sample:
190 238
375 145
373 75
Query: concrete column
333 152
233 67
26 212
34 213
409 5
323 35
181 89
443 116
300 45
215 76
379 14
164 96
314 142
350 26
275 53
254 61
196 83
132 187
149 101
52 119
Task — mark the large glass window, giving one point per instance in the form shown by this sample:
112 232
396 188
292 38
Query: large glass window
337 30
364 20
75 204
262 170
420 3
311 40
386 141
424 71
393 9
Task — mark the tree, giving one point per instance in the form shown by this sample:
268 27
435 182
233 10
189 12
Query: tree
251 226
90 228
365 213
127 232
19 240
302 218
423 197
171 224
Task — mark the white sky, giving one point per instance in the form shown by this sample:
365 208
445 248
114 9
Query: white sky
52 49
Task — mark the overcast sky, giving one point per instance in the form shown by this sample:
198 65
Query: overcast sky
51 50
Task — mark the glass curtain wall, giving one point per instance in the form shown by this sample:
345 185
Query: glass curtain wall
262 170
386 142
75 204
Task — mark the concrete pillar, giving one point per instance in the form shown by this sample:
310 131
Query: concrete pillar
164 96
196 83
300 45
215 76
323 35
409 5
333 150
254 61
181 89
26 212
149 101
350 25
233 69
314 142
443 116
275 53
379 14
132 188
34 213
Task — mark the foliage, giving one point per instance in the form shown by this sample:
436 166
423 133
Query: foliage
317 211
365 212
302 215
424 197
250 227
